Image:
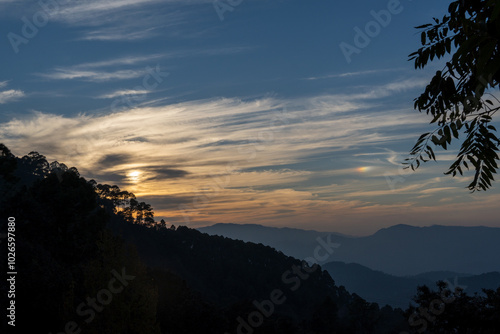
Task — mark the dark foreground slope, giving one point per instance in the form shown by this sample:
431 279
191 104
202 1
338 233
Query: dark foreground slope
240 279
91 259
72 274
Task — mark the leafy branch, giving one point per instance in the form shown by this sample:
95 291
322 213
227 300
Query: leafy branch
470 33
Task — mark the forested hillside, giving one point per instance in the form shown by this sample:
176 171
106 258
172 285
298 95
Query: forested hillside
78 236
91 257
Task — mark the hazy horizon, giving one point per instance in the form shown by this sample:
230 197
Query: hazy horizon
351 235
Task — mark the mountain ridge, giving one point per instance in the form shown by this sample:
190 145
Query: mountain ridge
399 250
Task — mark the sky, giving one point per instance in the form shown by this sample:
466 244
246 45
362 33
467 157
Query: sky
281 113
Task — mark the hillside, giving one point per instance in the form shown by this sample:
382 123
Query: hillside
92 258
77 245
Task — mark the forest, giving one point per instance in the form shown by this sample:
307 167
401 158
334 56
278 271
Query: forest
92 258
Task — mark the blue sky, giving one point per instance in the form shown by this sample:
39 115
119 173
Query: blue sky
235 111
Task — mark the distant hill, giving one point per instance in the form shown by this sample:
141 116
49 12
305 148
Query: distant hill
385 289
398 250
291 241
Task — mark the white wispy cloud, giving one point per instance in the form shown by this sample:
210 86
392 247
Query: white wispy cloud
119 33
105 70
135 25
381 91
123 92
67 73
130 66
9 95
90 12
106 20
353 74
124 19
120 61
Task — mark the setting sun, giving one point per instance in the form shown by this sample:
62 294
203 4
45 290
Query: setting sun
134 175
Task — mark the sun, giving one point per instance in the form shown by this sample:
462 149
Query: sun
134 175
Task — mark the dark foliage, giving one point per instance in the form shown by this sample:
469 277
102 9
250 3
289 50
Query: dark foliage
64 254
470 34
450 310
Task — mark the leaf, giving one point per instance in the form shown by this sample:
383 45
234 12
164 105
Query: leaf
453 127
423 26
429 150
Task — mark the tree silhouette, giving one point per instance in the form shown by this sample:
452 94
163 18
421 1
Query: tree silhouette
36 163
140 213
66 254
116 199
470 33
453 311
163 224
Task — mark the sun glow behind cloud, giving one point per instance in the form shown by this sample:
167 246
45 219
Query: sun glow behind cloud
134 176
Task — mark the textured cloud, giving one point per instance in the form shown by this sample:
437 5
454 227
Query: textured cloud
9 95
103 70
261 160
124 92
127 67
111 20
353 74
260 133
69 74
125 19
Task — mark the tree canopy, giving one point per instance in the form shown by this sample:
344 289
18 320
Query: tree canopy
451 310
460 98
